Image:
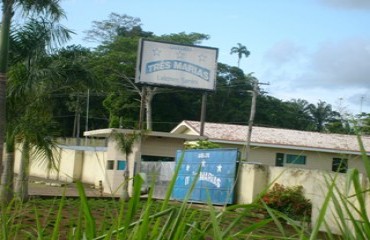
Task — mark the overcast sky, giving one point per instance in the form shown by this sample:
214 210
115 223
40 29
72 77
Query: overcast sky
308 49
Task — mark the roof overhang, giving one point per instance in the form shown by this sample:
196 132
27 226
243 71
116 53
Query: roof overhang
107 132
290 147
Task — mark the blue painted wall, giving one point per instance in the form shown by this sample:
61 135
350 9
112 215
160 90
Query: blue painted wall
217 169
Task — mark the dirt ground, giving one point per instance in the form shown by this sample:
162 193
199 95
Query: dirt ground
47 187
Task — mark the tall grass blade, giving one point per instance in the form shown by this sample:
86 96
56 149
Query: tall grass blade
89 219
40 230
169 191
249 229
177 225
133 204
144 229
77 231
167 225
246 210
55 234
362 210
321 218
275 219
133 224
364 156
215 224
354 222
8 217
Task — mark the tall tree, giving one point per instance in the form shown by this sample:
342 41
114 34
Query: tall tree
73 86
28 8
106 31
298 115
322 114
30 82
50 8
231 101
363 123
241 50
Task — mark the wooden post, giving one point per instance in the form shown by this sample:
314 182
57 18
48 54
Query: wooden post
203 113
142 108
251 119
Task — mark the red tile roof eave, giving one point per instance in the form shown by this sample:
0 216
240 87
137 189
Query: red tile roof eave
293 147
190 124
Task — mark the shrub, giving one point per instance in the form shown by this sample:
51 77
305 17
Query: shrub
290 201
201 144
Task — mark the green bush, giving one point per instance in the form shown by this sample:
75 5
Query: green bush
289 200
201 144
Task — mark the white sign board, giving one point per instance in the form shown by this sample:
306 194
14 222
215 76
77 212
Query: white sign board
176 65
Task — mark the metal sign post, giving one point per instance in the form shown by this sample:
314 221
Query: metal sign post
203 113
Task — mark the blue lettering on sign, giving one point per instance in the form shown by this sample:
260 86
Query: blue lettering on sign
191 68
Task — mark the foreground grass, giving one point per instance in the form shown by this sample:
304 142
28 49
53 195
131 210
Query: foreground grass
38 219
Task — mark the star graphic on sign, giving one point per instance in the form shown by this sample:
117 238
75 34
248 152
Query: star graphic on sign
219 168
203 163
187 167
156 52
180 55
202 58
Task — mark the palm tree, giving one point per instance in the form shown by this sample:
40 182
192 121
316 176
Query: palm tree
125 143
240 50
298 111
28 93
322 114
36 132
30 45
51 8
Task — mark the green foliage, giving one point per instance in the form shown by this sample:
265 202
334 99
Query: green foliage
322 114
182 37
107 31
363 123
289 200
202 144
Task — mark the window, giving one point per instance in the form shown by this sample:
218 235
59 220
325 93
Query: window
279 160
121 165
110 164
147 158
295 159
340 165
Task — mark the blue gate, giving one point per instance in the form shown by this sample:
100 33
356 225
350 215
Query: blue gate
216 178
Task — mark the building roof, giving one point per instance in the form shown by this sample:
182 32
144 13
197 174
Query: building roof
276 137
109 131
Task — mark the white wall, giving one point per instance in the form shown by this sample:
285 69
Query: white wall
93 168
253 177
87 166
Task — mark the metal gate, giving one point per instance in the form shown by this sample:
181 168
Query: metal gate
158 175
217 169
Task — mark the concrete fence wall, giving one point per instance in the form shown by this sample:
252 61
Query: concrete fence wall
85 163
255 178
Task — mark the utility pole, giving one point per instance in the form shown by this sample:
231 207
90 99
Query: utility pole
255 92
87 113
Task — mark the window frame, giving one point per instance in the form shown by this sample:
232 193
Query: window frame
295 159
337 167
